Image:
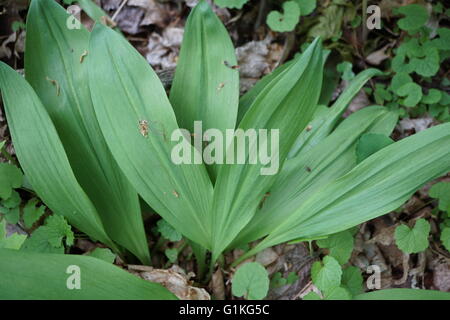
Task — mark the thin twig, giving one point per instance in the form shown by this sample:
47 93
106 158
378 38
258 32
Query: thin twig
118 10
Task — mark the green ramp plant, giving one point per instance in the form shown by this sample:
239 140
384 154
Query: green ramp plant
92 126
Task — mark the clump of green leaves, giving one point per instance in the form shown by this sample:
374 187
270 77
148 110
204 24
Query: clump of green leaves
415 65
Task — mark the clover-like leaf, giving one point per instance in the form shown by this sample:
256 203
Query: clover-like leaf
31 213
285 21
231 4
399 80
415 17
340 245
413 240
251 280
413 93
433 96
326 274
427 66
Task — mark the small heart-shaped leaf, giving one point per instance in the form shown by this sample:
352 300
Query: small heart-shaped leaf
286 21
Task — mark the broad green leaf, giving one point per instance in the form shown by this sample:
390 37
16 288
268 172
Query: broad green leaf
321 126
340 245
379 184
413 240
326 274
11 177
445 238
27 275
306 173
206 83
42 156
250 281
56 67
49 238
285 21
370 143
167 231
404 294
12 215
31 213
443 42
415 17
352 280
2 144
103 254
413 93
285 107
137 121
232 4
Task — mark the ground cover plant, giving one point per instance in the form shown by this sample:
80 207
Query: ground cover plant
95 135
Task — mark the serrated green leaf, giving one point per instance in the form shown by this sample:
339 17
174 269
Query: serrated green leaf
49 238
167 231
413 240
286 21
326 274
171 254
369 143
251 281
56 67
427 66
27 275
340 246
104 254
31 213
10 177
14 241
